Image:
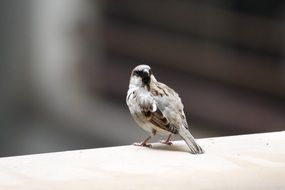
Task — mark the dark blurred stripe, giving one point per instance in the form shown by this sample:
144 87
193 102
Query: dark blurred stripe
225 58
216 104
207 21
252 71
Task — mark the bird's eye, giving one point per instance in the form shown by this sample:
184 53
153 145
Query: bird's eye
136 73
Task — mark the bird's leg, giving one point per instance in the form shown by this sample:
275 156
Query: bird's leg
144 143
167 141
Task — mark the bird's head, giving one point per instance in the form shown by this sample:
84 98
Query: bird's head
141 75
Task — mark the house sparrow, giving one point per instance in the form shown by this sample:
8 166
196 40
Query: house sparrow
157 109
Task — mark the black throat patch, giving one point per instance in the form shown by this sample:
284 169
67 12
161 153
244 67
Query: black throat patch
146 80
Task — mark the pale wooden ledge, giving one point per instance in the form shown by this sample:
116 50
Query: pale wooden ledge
237 162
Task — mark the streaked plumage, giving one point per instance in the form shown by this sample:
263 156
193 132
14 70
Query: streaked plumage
157 108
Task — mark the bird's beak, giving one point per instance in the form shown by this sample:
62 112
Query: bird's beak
146 76
145 73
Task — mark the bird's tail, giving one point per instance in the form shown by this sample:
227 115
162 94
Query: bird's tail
194 147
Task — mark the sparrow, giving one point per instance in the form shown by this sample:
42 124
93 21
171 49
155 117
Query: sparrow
157 109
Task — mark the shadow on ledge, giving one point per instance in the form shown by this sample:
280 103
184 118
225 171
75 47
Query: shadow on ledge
175 147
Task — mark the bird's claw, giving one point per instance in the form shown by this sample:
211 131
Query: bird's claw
169 143
142 144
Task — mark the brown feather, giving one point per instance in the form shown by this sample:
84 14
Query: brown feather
157 118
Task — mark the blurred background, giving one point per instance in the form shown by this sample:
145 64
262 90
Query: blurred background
65 67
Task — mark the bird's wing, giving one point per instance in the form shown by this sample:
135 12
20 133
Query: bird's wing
157 118
162 90
154 113
169 98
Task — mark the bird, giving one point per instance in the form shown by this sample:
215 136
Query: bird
157 109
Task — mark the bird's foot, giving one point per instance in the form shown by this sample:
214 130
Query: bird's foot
169 143
143 144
